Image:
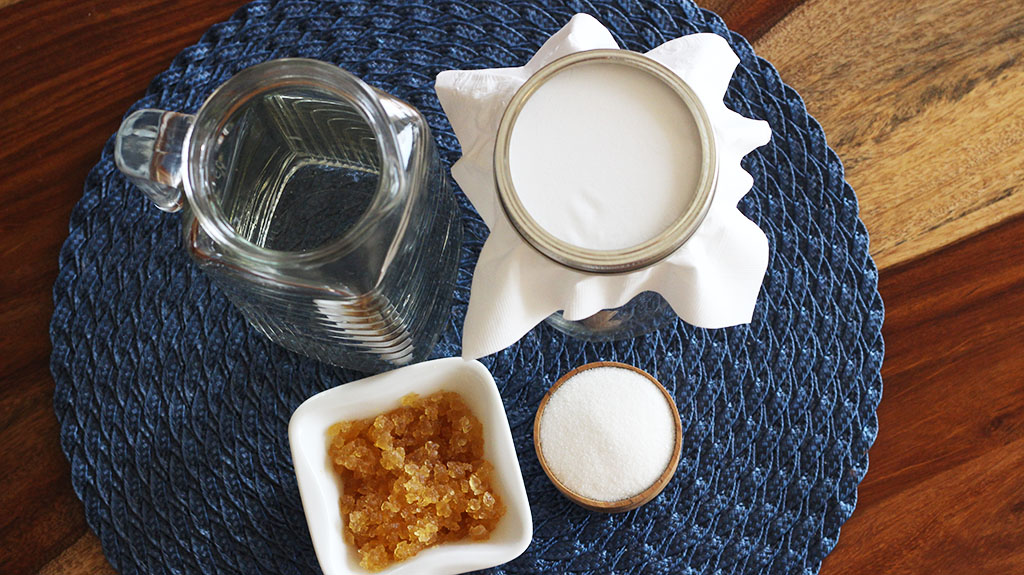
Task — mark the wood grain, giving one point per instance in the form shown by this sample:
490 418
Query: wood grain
923 101
944 492
752 19
68 70
84 556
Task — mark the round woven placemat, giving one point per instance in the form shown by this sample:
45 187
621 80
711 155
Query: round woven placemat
174 411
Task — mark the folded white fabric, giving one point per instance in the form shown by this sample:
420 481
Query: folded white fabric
711 281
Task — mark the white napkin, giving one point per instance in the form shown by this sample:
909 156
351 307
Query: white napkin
710 281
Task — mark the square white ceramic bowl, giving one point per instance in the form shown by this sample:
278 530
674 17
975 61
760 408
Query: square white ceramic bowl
321 488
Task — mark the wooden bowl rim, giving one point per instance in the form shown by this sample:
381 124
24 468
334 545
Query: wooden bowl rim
630 502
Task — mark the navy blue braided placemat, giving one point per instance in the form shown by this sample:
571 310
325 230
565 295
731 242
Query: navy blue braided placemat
174 411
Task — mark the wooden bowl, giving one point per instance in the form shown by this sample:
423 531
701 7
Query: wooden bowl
622 504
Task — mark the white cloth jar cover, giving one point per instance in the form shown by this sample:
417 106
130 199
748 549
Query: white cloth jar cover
711 281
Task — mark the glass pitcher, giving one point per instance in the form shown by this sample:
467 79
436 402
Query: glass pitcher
316 203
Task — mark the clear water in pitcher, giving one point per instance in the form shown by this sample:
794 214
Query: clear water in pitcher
296 171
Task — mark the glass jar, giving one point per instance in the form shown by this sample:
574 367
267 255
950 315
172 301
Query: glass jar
316 203
643 314
647 311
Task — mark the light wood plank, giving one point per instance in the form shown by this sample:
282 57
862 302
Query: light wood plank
84 556
923 101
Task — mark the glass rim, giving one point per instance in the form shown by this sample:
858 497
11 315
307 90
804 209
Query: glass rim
621 260
219 107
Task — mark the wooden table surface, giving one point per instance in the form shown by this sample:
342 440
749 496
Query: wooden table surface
923 101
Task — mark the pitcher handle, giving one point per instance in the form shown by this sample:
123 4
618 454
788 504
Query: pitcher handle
149 151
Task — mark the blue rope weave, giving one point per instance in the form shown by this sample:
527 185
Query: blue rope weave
174 411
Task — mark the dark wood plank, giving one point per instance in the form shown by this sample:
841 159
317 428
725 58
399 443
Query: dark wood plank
752 19
69 71
944 492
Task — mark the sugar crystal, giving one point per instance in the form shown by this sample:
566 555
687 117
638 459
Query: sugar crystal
607 433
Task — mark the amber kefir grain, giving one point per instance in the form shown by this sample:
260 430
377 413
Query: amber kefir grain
414 477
